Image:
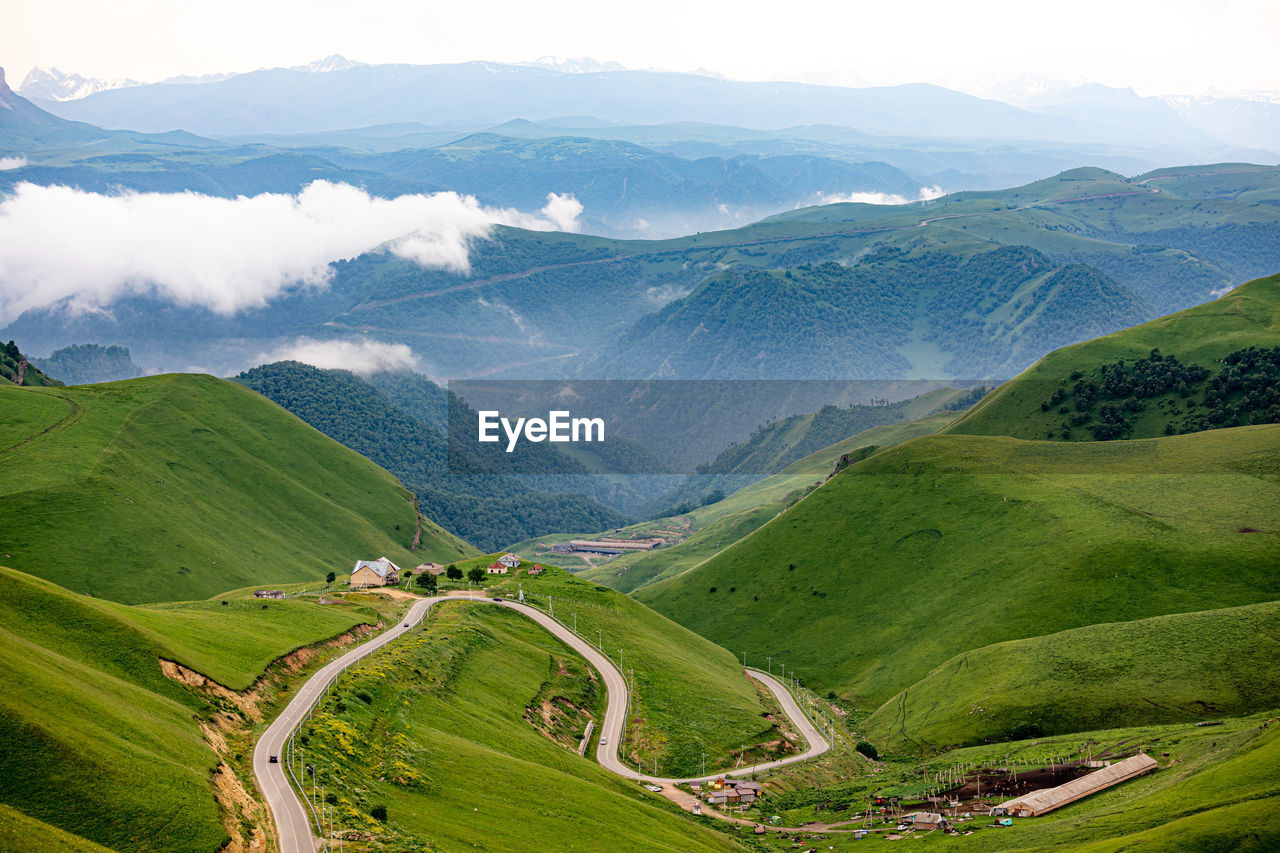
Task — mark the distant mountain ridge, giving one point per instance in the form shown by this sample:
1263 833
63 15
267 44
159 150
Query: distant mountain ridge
294 101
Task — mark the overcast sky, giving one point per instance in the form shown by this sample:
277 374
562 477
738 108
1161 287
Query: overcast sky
1154 46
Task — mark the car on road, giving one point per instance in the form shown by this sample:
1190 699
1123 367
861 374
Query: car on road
499 600
603 741
657 789
275 759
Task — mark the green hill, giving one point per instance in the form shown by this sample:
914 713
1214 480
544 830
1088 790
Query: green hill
466 733
949 543
718 525
488 510
95 740
1127 382
180 486
1183 667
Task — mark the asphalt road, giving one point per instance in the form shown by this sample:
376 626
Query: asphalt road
293 817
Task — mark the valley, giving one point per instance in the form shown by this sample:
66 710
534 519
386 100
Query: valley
560 455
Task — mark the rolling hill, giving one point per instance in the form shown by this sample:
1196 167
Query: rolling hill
96 743
181 486
1034 268
1157 378
716 526
949 543
1166 669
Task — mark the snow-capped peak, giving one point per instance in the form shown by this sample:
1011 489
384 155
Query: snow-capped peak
50 84
576 64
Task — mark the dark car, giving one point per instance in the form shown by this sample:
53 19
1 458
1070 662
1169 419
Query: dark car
499 600
275 759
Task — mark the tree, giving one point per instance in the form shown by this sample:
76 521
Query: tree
453 573
867 749
427 581
475 574
379 813
330 578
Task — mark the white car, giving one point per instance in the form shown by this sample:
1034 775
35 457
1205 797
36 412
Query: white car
603 741
657 789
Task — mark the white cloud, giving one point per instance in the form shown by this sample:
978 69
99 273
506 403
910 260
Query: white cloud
227 255
560 213
9 163
925 194
361 357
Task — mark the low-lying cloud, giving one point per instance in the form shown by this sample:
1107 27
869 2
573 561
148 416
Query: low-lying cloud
925 194
86 250
359 356
8 164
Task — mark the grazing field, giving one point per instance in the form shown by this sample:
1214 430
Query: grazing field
949 543
177 487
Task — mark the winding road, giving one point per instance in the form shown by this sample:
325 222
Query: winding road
293 818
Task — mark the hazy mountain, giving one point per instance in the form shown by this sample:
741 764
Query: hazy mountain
25 127
298 101
885 291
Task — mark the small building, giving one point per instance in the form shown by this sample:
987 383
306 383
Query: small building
430 569
928 820
511 561
497 568
536 569
1046 800
371 573
613 547
268 593
562 548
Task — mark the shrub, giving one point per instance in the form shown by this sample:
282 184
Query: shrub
868 750
379 812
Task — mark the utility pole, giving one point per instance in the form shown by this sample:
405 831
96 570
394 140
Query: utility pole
575 623
770 660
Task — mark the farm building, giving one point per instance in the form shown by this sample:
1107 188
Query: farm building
536 569
379 572
723 791
1047 799
430 568
613 546
562 548
926 820
268 593
498 568
511 561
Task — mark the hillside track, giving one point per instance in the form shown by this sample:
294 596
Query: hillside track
293 818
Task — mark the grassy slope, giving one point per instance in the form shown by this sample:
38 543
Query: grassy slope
445 746
1166 669
719 525
94 738
690 696
949 543
179 486
1247 316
